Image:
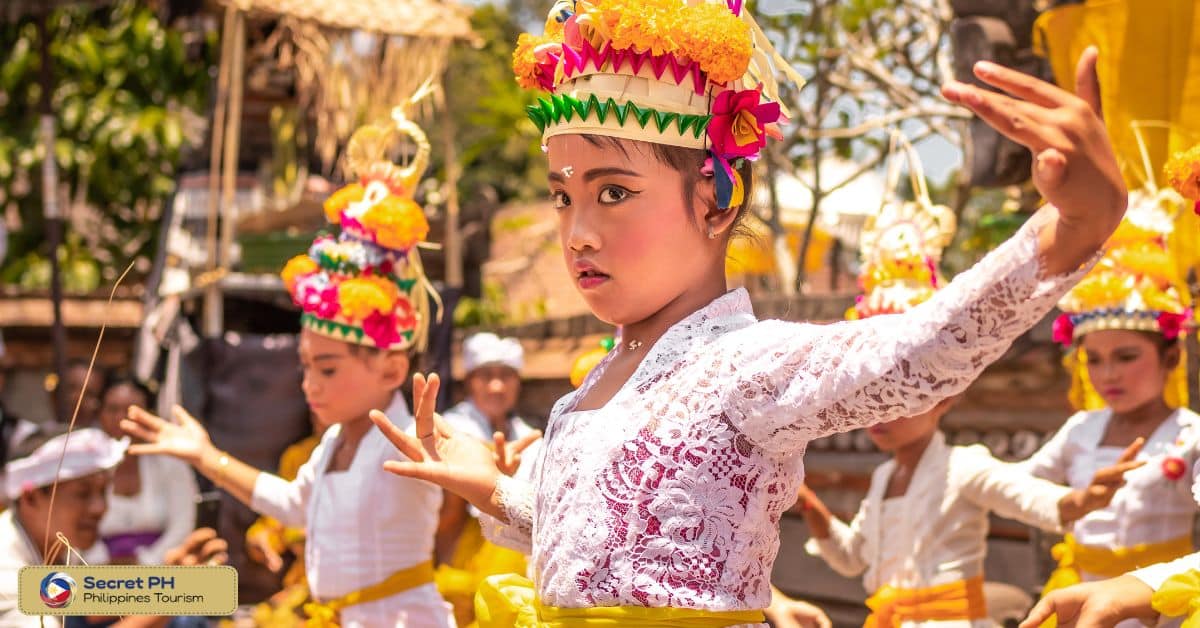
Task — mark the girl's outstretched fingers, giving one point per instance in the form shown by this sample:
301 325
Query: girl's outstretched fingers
406 444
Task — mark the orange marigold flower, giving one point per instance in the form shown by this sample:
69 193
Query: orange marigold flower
1183 172
398 223
717 40
525 64
296 268
340 199
360 297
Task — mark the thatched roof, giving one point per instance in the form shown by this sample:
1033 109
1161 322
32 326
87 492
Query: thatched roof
413 18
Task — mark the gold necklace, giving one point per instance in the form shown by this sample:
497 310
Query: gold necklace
633 345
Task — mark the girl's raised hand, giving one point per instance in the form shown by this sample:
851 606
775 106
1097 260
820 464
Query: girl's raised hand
1074 167
439 454
185 439
508 455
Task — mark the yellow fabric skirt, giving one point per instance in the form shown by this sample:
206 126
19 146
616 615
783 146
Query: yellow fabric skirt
509 601
963 600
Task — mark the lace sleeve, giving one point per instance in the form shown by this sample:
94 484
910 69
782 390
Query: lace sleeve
515 498
796 382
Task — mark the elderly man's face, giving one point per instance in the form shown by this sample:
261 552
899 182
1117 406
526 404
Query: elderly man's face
494 390
79 505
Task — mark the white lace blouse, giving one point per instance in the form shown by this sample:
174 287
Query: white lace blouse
670 494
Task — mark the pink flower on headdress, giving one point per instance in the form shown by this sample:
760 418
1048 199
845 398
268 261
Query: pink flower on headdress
321 302
739 123
1064 330
1171 324
381 328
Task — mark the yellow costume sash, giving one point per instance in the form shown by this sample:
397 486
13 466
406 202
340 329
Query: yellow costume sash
1074 558
325 614
1180 596
474 559
961 600
509 601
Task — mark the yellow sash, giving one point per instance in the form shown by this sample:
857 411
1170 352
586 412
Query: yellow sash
1074 558
509 601
474 559
891 606
1179 596
325 614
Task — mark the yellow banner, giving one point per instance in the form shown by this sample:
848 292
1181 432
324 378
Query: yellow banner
112 590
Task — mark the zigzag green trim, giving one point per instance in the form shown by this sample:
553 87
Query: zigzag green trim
561 107
330 327
348 332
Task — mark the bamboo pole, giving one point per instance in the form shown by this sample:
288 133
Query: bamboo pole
453 244
53 214
212 297
233 136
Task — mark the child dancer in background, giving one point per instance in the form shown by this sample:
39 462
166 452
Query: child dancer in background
1126 320
920 535
368 555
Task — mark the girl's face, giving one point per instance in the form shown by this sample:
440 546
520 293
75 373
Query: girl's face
889 437
115 406
1127 368
630 242
342 385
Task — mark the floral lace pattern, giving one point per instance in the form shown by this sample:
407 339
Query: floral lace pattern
670 494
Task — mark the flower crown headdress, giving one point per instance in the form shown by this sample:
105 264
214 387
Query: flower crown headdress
367 286
1183 173
901 245
1136 284
691 73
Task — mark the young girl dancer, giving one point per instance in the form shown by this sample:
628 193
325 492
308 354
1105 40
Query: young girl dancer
661 481
368 553
1126 320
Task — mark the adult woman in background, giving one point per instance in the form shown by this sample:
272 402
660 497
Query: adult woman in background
152 499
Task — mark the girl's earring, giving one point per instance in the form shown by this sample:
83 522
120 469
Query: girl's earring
712 235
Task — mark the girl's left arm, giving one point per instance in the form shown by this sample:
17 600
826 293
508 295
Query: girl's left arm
792 383
796 385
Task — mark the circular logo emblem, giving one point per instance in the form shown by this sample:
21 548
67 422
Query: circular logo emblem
57 590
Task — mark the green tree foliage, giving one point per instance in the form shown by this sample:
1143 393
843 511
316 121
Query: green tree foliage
499 148
127 100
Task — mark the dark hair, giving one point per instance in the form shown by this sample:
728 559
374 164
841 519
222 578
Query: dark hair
99 373
688 162
364 352
125 379
8 426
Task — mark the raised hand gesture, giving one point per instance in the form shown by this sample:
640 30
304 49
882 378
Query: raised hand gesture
508 455
186 439
455 461
1105 483
1074 167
